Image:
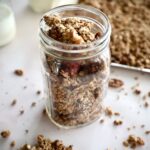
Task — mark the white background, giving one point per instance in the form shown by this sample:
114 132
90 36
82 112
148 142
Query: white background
23 53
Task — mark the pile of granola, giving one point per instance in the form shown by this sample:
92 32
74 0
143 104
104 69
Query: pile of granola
130 22
46 144
76 88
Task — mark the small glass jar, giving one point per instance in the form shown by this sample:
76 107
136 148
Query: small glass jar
76 74
7 22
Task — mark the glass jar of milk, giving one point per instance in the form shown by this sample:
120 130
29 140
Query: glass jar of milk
45 5
7 23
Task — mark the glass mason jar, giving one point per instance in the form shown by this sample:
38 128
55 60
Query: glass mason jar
76 74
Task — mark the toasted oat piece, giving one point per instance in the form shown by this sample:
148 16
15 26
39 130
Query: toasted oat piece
115 83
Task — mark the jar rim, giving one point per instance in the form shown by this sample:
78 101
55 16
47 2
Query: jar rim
87 46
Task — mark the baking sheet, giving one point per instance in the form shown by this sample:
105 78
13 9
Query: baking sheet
130 67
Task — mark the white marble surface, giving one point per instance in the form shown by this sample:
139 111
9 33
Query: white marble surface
23 53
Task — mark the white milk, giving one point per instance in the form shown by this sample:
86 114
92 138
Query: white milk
45 5
7 24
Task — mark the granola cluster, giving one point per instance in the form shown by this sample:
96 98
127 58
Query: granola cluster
76 88
46 144
130 22
70 30
133 142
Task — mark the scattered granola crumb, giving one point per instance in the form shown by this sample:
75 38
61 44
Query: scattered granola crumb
128 128
147 132
125 143
146 104
26 131
134 127
136 78
142 126
126 94
24 87
102 121
18 72
118 97
149 94
116 83
38 92
144 97
5 133
108 111
133 141
12 144
33 104
116 113
46 144
44 111
137 91
117 122
21 112
13 103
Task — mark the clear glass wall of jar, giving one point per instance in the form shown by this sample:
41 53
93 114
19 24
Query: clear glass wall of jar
76 75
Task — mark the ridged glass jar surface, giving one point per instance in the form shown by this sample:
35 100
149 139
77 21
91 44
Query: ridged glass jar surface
76 75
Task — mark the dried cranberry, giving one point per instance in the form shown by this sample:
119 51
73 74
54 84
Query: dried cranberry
71 68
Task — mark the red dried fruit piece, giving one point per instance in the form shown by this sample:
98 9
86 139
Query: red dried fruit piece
71 68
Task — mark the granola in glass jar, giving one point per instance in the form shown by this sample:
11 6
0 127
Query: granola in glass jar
76 60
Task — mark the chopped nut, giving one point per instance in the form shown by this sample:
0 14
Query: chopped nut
117 122
115 83
5 133
18 72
